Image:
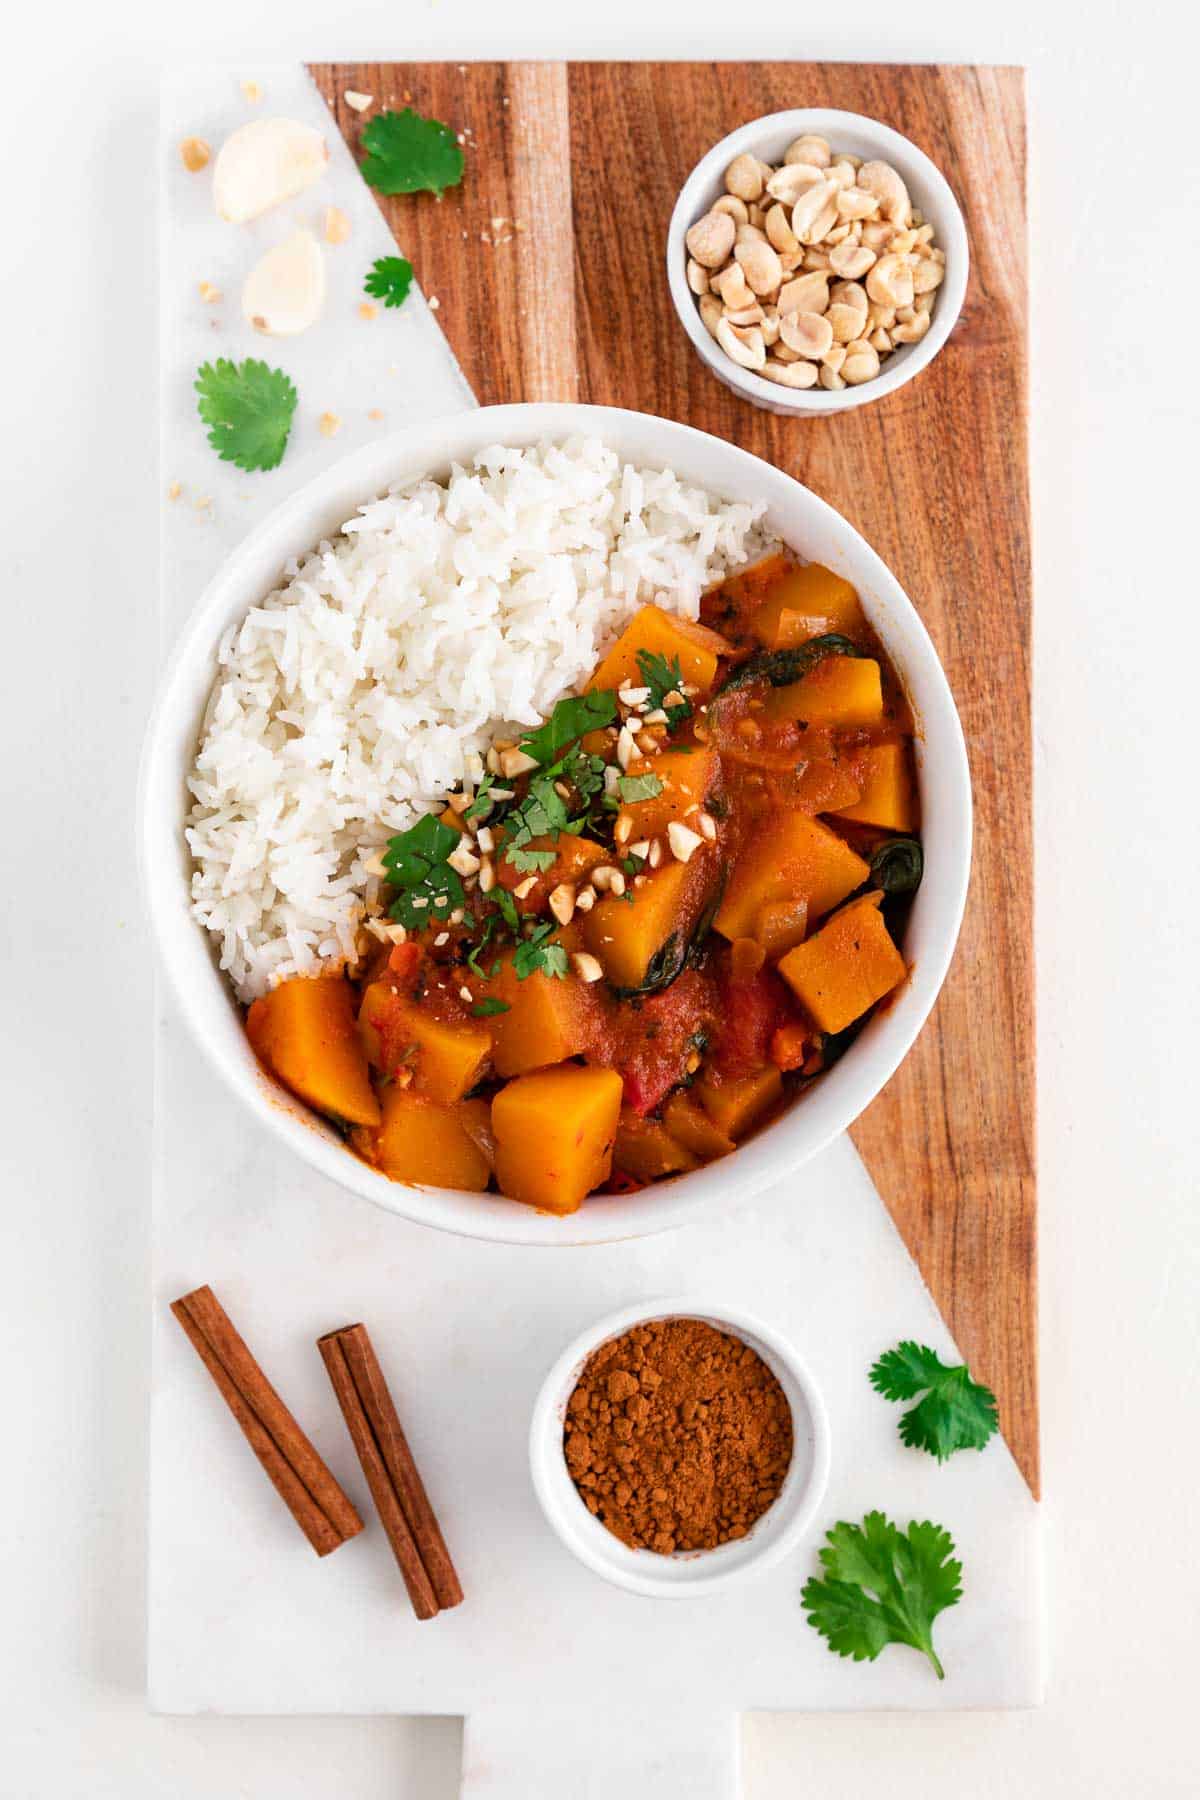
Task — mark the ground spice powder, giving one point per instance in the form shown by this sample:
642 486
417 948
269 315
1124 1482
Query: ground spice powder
678 1436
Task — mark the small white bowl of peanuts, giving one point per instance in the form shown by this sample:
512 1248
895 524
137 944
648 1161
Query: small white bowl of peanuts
817 260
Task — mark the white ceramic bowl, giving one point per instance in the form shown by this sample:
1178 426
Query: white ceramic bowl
804 522
929 191
687 1573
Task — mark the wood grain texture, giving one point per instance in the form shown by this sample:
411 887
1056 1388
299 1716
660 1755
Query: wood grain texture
935 477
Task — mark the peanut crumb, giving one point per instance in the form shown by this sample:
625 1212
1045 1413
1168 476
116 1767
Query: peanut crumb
367 310
358 102
329 424
194 154
252 91
336 225
434 303
174 491
375 413
209 294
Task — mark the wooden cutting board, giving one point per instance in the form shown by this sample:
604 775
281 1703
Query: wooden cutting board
547 265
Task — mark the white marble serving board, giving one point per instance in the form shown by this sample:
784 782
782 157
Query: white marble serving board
543 1656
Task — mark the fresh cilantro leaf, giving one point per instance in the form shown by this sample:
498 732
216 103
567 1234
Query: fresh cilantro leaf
488 1007
407 154
882 1586
639 787
663 678
389 279
508 907
528 861
585 773
536 955
248 409
542 813
490 926
572 716
416 864
956 1413
481 804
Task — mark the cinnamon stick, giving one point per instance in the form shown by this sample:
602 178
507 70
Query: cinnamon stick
399 1493
302 1480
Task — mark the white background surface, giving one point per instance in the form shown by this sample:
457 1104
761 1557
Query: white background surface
1114 164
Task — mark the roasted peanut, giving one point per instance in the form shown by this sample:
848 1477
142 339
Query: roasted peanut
743 178
711 239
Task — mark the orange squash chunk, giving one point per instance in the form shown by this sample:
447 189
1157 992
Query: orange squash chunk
736 1106
846 966
812 593
888 798
446 1059
548 1019
686 775
627 934
781 925
697 648
690 1125
304 1032
554 1135
793 857
842 691
646 1149
420 1141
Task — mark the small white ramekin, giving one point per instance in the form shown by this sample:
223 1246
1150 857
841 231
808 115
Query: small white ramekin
690 1572
929 190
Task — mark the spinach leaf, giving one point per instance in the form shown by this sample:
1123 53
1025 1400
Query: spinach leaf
782 667
897 866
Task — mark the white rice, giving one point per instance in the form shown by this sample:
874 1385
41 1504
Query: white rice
354 696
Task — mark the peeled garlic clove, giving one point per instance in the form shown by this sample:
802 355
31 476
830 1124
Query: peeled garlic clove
285 290
264 163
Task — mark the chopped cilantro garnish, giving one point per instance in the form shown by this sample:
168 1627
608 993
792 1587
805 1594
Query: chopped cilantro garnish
482 803
536 956
248 409
571 718
389 279
542 813
639 787
488 1007
490 927
508 907
663 678
407 154
416 864
529 861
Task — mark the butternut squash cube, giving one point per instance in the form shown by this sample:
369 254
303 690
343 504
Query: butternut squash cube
697 648
690 1125
841 692
887 799
736 1106
686 775
554 1132
813 592
626 934
446 1059
304 1032
793 857
646 1149
847 966
781 925
547 1020
422 1142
